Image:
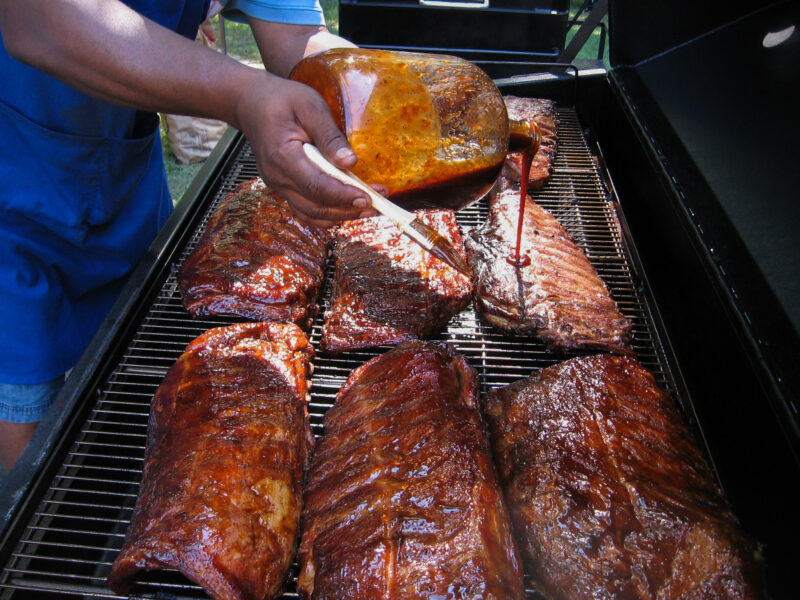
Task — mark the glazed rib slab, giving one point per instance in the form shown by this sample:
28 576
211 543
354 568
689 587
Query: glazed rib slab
543 112
557 296
402 500
227 447
387 289
256 260
609 495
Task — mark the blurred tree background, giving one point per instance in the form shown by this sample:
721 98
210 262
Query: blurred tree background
240 44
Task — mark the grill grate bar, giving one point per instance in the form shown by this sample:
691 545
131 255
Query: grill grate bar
63 545
119 433
65 503
31 584
77 532
65 479
106 446
76 561
89 503
57 488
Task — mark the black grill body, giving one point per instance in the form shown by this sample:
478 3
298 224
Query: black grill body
710 198
629 186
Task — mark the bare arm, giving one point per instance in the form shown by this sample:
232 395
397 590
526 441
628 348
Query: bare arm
107 50
282 46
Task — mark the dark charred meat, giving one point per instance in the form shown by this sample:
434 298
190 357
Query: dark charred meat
256 260
228 444
387 289
543 113
556 296
609 495
402 500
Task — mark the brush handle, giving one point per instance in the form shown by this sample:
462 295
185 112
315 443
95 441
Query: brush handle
405 221
401 217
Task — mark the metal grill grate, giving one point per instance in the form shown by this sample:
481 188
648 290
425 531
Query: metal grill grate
78 528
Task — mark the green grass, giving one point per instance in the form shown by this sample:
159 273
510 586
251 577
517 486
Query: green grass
239 41
331 10
592 45
178 176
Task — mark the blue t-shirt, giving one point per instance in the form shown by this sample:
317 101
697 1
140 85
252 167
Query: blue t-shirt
294 12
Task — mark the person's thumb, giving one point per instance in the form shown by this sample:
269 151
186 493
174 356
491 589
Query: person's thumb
335 148
330 140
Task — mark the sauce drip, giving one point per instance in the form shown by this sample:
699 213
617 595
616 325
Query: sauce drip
529 144
527 160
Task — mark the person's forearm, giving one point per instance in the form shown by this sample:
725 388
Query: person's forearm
282 46
105 49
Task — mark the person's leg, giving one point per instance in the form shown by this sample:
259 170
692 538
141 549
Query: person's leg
21 409
13 439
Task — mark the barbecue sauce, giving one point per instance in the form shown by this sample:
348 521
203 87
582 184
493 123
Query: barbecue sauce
433 130
525 136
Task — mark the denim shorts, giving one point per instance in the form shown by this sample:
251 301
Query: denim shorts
23 403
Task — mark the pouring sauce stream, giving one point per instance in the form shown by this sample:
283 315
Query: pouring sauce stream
526 137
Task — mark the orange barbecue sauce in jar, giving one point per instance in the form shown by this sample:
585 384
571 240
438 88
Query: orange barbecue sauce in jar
432 129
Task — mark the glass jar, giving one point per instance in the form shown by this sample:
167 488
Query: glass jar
432 129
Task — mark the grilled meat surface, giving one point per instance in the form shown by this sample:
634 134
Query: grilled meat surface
227 447
255 260
402 499
543 113
609 495
387 289
557 296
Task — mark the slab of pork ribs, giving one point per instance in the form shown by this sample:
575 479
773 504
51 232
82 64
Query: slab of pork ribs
256 260
227 447
402 500
543 113
387 289
609 495
558 296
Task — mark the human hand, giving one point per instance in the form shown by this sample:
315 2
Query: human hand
277 116
207 34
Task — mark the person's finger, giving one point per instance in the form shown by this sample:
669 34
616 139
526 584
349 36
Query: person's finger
277 126
313 212
381 189
313 184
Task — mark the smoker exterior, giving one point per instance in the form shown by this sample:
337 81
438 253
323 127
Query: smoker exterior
721 293
509 31
711 203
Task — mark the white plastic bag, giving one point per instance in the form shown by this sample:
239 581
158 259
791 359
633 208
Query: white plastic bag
192 139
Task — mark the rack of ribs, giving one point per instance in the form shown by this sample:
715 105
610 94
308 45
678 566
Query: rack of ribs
255 260
557 296
228 444
543 113
402 500
609 495
387 289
